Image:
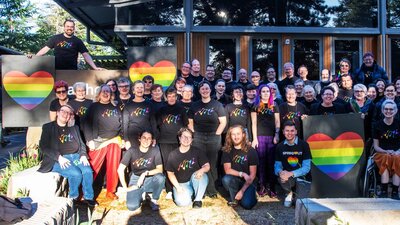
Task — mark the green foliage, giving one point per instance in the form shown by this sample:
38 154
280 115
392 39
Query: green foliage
16 164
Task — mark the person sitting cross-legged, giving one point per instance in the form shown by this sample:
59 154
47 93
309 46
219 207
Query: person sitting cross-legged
292 160
240 164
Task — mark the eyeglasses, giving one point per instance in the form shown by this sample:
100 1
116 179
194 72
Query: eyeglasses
358 91
148 82
186 137
390 90
65 112
344 65
61 92
388 109
328 94
123 86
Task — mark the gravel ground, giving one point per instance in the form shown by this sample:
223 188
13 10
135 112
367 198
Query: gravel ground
214 211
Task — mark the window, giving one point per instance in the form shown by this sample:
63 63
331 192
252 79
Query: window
152 13
393 13
265 55
151 41
306 13
349 49
222 54
307 52
395 58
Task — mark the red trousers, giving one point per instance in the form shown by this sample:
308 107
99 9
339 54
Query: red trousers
112 155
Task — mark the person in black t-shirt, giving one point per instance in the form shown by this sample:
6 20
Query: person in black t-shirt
240 162
146 167
292 160
170 119
66 48
65 153
61 91
157 97
386 136
207 119
102 130
186 168
309 97
80 104
148 82
124 96
220 94
187 94
327 106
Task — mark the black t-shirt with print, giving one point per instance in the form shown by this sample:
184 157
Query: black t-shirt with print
102 120
66 51
185 164
265 120
80 109
238 115
55 104
67 142
205 115
170 119
388 135
139 161
136 117
240 160
293 113
292 156
186 105
122 102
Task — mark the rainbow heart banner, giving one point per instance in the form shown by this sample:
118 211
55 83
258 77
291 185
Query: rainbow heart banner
336 157
28 91
163 72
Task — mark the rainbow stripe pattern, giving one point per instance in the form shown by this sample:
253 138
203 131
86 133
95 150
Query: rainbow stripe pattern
293 161
336 157
28 91
163 71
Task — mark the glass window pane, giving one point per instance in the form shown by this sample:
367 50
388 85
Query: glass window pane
395 58
349 49
222 54
393 13
306 52
307 13
152 13
265 55
151 41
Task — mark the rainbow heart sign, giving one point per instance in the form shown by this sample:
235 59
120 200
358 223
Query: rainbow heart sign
28 91
336 157
163 72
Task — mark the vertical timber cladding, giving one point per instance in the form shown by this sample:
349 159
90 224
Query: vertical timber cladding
199 50
287 43
327 52
244 54
180 49
370 44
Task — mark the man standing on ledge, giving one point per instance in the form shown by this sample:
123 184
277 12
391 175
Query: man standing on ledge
66 48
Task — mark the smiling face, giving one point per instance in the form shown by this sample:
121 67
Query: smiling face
210 73
105 95
325 75
112 85
251 94
205 91
61 93
186 139
195 66
242 75
390 92
255 77
347 82
237 94
138 90
264 94
303 72
389 109
271 74
380 85
289 71
290 95
368 61
327 97
308 95
371 94
237 135
220 87
146 140
80 93
157 93
185 69
171 98
344 67
359 94
69 28
290 133
227 75
64 115
187 94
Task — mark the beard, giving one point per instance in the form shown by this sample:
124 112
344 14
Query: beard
69 32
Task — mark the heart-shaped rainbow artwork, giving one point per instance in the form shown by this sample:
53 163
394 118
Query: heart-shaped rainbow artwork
28 91
163 72
336 157
293 161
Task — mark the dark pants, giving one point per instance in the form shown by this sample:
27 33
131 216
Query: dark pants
166 149
266 155
210 144
234 184
289 185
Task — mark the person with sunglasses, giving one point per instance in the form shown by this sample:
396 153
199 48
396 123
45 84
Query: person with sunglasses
148 81
64 152
62 98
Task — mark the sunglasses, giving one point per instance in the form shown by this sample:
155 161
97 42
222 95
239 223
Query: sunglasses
61 92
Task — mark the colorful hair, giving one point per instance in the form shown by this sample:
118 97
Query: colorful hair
260 104
60 84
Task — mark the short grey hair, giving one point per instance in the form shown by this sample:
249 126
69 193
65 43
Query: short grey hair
79 84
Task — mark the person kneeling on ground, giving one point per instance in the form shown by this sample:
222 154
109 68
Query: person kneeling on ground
65 153
146 166
240 164
187 168
292 160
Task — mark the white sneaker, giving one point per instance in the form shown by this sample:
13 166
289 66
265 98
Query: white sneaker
288 200
169 195
154 205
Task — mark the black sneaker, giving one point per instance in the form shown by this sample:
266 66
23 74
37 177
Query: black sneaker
197 204
383 194
90 203
213 196
233 203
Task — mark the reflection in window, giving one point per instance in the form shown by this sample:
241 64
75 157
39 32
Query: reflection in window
151 41
265 55
307 13
152 13
306 52
222 54
349 49
395 58
393 13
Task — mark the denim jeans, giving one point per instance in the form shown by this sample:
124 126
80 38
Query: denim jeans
76 174
153 184
196 187
233 184
210 144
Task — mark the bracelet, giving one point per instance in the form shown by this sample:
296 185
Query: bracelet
240 174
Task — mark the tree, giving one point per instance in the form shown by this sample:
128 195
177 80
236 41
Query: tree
356 13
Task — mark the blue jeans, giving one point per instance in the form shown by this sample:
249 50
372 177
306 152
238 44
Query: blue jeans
194 186
76 174
210 144
153 184
233 184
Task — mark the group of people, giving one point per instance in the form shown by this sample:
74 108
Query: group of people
202 131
